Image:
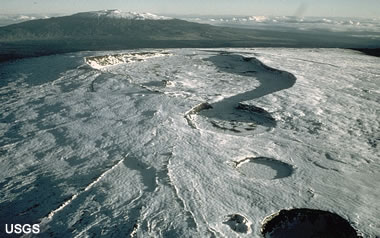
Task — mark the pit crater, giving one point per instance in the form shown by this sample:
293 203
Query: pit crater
307 223
264 168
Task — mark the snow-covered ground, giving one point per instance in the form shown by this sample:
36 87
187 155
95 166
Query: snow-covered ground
125 15
188 142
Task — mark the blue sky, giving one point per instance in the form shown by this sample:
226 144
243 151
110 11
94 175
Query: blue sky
350 8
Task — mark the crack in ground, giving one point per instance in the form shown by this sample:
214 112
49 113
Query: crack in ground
148 178
168 182
316 62
88 187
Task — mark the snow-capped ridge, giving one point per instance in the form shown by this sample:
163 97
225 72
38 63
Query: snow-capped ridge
123 15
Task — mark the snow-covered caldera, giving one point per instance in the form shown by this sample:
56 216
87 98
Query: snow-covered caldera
123 15
192 143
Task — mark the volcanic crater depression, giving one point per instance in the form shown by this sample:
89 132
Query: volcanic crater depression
307 223
231 114
264 168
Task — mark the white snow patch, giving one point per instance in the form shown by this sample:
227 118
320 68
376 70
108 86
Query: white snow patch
124 15
98 62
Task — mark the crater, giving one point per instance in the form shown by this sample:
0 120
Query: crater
238 223
264 168
230 114
307 223
240 120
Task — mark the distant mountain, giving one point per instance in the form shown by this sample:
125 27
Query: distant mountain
112 30
115 30
111 25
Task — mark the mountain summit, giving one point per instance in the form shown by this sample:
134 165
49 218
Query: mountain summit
114 25
122 15
113 30
116 30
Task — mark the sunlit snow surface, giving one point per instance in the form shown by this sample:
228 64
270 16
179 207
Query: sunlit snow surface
126 15
126 150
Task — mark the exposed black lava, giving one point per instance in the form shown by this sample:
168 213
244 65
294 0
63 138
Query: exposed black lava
307 223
